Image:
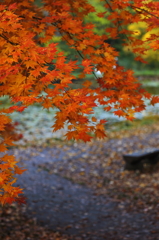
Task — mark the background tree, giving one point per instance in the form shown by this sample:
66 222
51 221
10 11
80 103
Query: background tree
25 77
151 56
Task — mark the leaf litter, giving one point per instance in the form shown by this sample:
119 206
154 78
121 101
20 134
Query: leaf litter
101 167
98 165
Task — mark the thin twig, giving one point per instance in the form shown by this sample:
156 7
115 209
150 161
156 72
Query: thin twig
143 10
4 37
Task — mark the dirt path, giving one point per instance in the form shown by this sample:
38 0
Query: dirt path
80 210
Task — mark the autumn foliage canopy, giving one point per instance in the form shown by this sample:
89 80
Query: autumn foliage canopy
26 78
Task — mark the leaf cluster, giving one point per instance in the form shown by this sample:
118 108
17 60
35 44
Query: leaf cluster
25 77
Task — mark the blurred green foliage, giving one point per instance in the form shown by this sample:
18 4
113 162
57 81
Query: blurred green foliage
126 58
126 125
100 23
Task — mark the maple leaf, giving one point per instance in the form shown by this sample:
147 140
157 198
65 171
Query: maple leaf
5 166
138 58
102 121
28 48
18 170
36 72
7 199
9 141
82 46
12 6
21 200
86 62
3 147
100 134
119 112
101 14
3 177
87 84
94 119
17 108
31 64
108 108
154 100
71 135
84 136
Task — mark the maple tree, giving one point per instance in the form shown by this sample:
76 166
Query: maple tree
25 28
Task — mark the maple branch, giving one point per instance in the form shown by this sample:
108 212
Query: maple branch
110 7
144 10
37 18
4 37
79 53
119 24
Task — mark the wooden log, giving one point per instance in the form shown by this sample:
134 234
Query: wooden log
136 160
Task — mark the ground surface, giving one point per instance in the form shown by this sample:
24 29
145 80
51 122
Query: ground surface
81 191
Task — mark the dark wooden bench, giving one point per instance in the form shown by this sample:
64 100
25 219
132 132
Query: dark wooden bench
137 160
